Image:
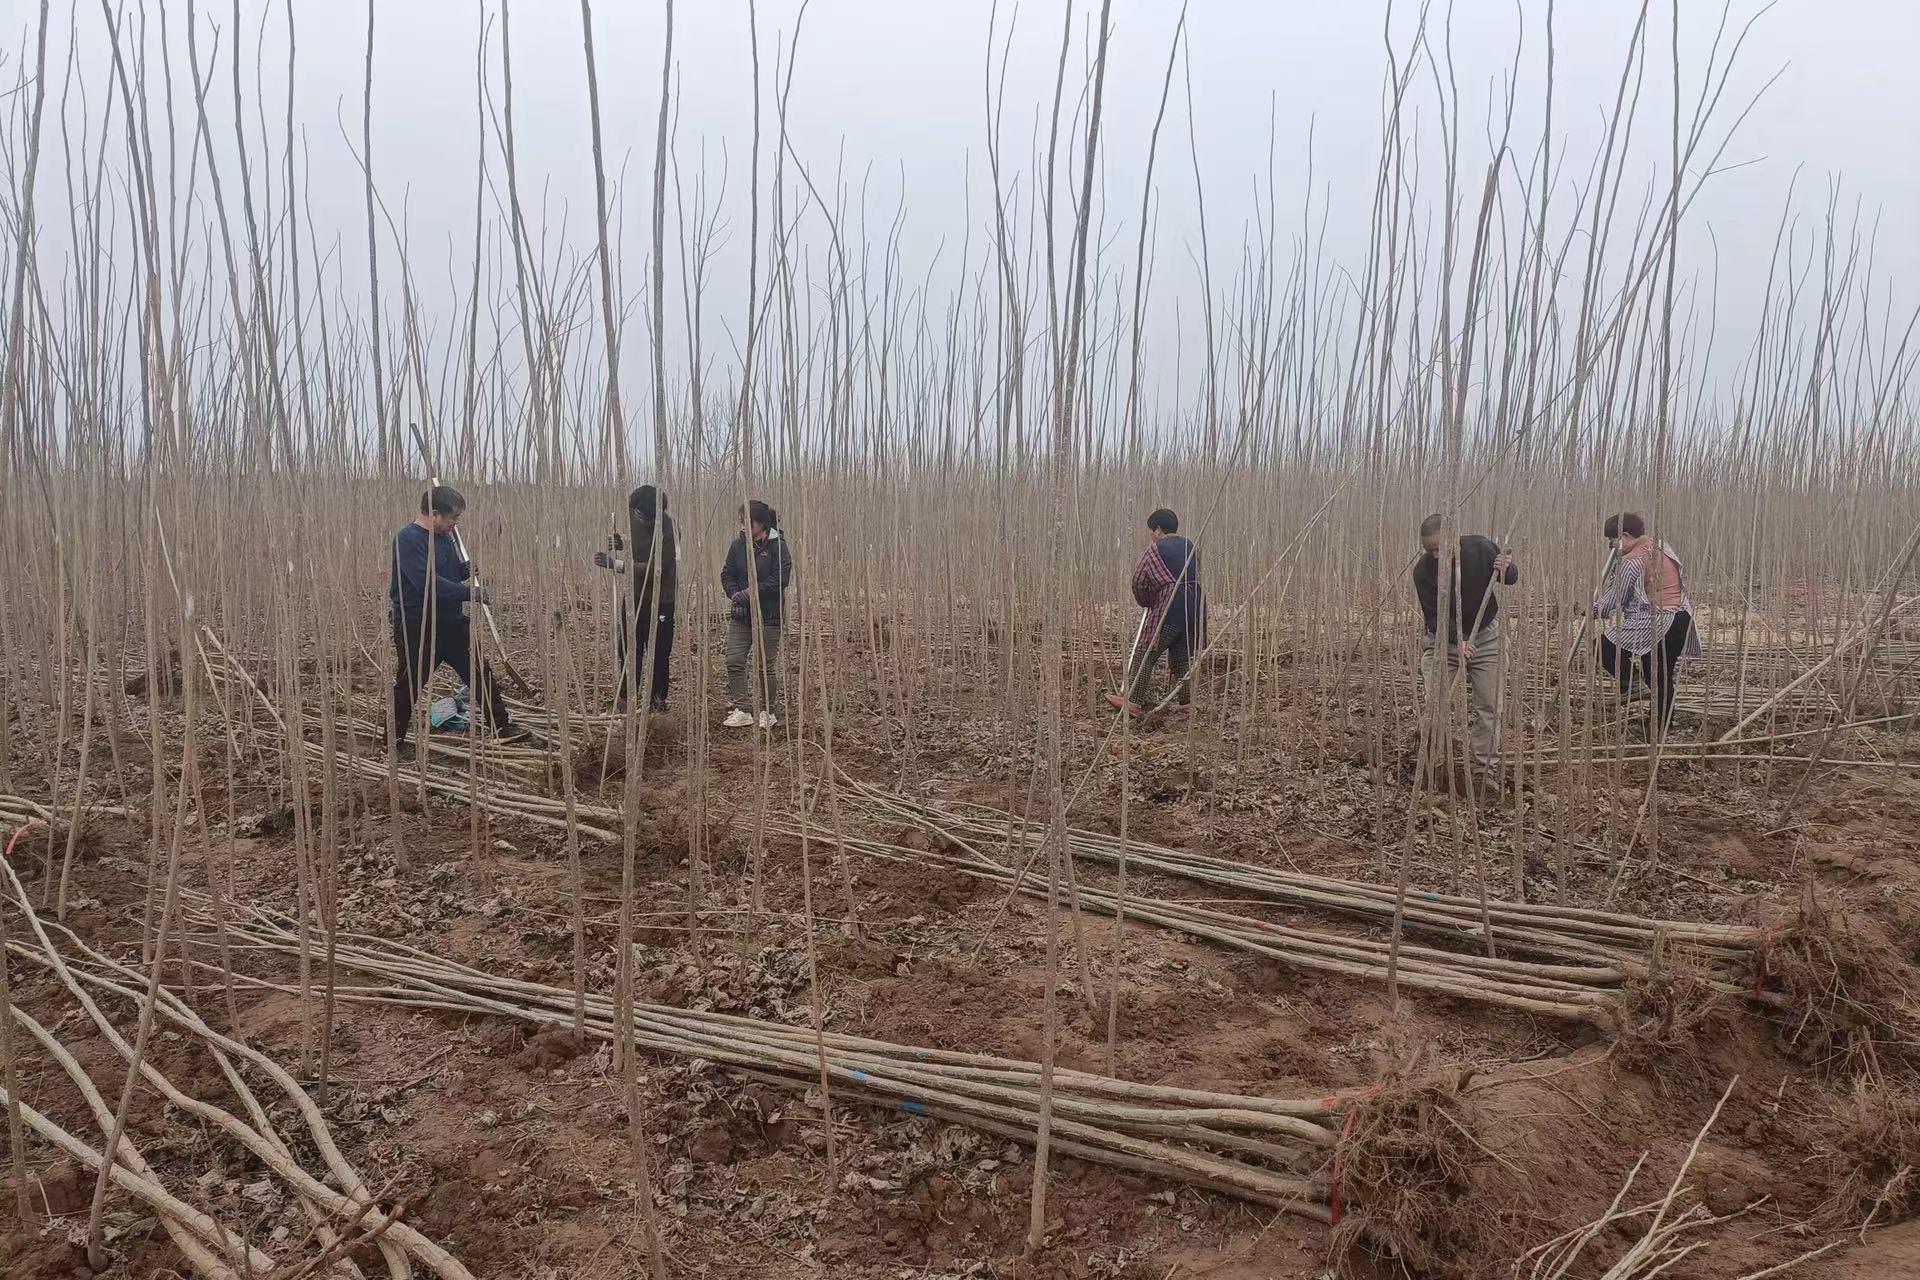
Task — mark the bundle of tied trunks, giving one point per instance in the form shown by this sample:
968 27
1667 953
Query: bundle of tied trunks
1564 962
1274 1151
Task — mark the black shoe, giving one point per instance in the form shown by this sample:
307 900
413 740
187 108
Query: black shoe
513 735
404 752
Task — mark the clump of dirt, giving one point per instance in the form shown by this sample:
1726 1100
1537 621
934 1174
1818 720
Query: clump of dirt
500 1038
912 837
598 760
902 890
1415 1184
62 1189
601 758
269 822
550 1048
855 957
1871 1155
667 729
949 1004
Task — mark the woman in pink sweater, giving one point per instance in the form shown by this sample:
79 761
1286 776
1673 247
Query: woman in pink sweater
1655 627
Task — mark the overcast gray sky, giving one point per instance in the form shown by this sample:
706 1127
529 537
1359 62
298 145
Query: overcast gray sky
897 88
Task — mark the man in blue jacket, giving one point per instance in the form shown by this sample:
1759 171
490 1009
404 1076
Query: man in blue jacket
1166 583
427 591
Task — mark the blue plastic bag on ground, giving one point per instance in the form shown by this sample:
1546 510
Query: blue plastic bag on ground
449 715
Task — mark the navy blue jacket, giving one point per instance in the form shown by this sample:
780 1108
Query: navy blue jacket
407 576
1166 583
772 571
1187 607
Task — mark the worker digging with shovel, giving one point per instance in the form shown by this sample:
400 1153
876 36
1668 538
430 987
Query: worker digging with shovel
428 590
1166 584
1472 641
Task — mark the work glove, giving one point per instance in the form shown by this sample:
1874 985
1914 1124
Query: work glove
482 597
601 560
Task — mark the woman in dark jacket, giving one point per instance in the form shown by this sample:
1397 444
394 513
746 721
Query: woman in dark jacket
650 627
758 568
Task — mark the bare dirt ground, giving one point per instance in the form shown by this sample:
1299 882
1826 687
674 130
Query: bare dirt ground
512 1150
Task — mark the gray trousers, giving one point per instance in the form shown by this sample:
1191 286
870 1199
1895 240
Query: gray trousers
1483 690
756 695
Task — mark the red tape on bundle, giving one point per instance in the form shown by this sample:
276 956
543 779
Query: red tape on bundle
19 831
1356 1096
1333 1198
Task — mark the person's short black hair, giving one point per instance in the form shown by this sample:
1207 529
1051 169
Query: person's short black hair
1163 521
763 515
1632 522
645 503
443 499
1430 527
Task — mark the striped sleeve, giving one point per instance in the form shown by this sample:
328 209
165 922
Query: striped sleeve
1620 586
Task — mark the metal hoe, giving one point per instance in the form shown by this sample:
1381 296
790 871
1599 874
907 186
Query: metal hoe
1606 570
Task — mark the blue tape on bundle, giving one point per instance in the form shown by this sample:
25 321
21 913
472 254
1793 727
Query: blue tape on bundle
861 1076
917 1108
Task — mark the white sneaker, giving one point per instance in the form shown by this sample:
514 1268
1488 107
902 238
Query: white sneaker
768 720
738 719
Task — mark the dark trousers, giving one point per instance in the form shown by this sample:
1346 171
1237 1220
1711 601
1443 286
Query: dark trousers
661 650
1656 665
417 653
1173 642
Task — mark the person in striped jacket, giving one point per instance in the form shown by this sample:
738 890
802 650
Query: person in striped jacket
1166 583
1655 627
